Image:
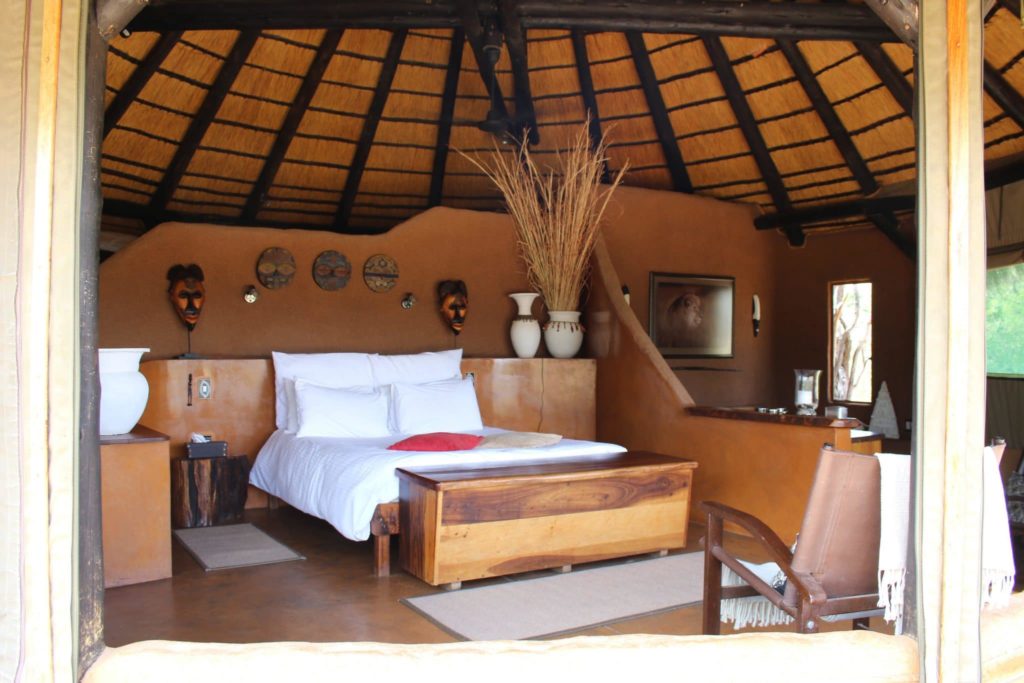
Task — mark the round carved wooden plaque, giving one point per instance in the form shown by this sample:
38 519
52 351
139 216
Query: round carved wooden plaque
276 268
380 272
331 270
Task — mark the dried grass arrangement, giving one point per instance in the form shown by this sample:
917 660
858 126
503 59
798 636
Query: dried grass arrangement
556 211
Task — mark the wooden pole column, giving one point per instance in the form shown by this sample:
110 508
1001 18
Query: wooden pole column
949 413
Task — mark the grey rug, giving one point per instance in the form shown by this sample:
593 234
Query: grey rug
233 545
565 603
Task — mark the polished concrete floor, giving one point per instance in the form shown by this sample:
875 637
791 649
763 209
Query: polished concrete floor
331 596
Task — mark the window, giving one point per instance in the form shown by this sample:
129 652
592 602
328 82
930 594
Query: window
851 342
1004 321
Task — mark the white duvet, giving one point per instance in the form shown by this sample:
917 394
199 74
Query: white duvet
343 480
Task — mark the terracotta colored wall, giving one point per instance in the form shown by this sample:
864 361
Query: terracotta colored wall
437 245
646 230
677 233
803 313
765 469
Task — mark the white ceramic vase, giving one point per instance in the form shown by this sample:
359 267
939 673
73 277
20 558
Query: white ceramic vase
123 390
525 330
563 334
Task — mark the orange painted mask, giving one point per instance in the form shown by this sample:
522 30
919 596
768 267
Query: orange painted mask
187 292
454 303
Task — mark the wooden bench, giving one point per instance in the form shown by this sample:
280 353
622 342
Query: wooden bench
462 524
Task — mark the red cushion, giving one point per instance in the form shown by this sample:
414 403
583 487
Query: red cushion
437 441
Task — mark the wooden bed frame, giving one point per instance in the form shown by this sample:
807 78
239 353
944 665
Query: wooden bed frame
541 394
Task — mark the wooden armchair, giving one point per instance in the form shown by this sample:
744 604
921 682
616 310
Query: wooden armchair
834 570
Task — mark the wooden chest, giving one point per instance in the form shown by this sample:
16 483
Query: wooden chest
462 524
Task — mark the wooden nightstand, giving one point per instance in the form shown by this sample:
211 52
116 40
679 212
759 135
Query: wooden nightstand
208 491
135 492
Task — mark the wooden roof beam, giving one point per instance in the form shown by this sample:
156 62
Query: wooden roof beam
444 126
138 80
754 18
890 227
369 131
889 74
748 124
994 177
311 81
886 222
827 113
579 48
474 28
1004 94
203 118
112 16
659 113
515 38
902 16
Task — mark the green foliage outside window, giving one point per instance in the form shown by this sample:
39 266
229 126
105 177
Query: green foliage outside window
1004 321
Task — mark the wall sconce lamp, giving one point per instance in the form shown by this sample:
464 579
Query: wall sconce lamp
250 295
756 317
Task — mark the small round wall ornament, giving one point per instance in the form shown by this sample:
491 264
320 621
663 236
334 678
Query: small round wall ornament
380 272
276 268
331 270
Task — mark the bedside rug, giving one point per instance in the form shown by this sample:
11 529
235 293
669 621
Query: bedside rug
566 603
233 545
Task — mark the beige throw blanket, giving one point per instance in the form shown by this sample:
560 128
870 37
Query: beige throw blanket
894 534
997 568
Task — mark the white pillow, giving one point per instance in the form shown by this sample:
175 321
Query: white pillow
344 413
448 406
326 369
416 368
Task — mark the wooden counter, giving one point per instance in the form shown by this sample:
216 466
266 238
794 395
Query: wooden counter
136 499
764 464
750 413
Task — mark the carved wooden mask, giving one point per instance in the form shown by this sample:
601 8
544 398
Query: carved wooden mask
187 292
454 302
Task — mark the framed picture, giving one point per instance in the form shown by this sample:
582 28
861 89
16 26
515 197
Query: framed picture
691 315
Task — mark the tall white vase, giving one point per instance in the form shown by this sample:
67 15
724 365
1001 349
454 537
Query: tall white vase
563 335
123 390
525 330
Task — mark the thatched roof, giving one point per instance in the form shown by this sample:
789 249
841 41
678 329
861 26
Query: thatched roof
340 116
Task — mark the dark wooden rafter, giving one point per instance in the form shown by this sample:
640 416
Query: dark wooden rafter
902 16
311 81
827 113
369 131
753 18
659 113
474 28
752 134
579 48
444 126
113 15
994 177
886 222
138 80
890 75
203 118
515 38
1004 94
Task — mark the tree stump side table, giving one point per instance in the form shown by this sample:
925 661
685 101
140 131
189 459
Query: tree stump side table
208 491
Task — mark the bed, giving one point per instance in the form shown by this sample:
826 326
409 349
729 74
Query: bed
518 395
343 481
